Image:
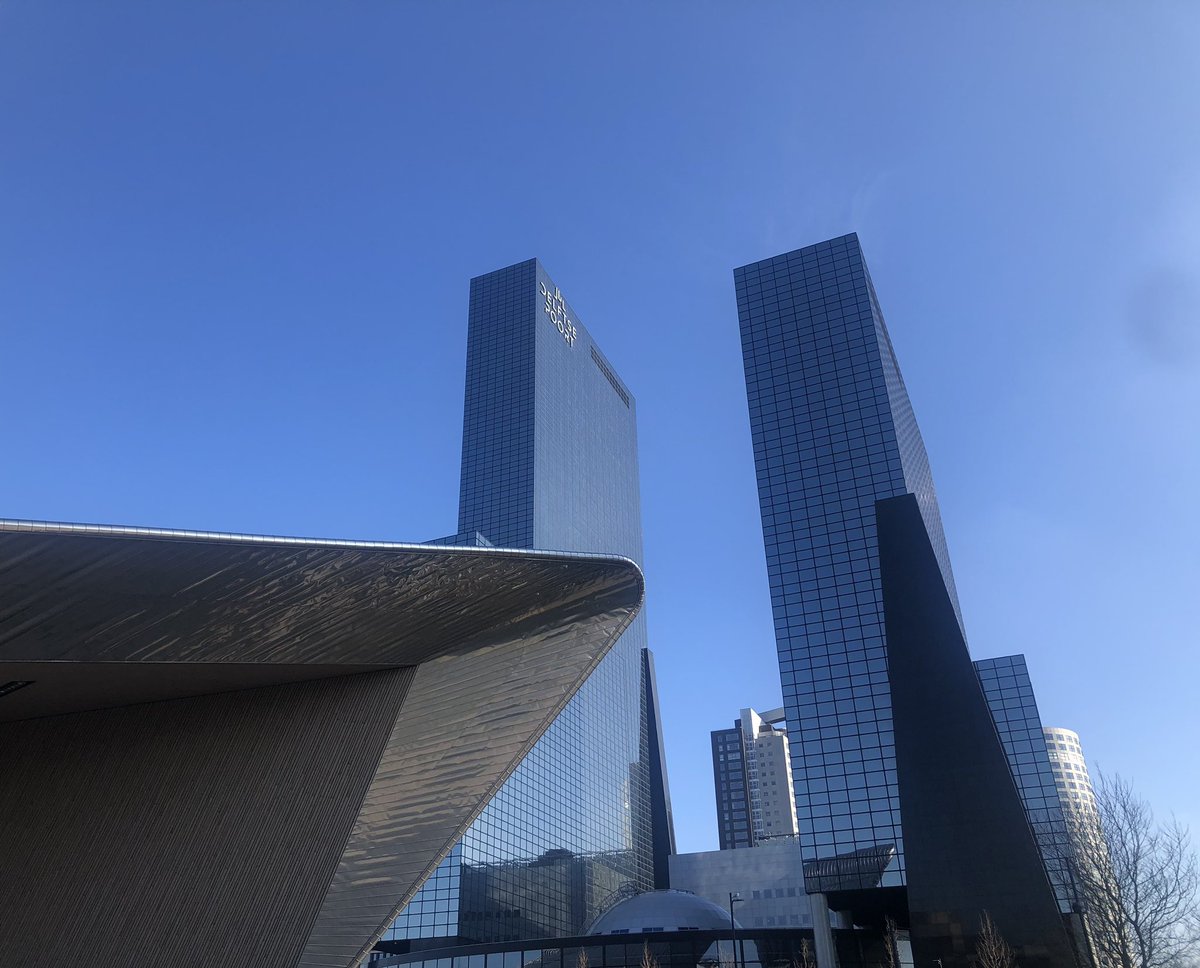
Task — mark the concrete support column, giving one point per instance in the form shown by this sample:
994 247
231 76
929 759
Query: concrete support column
822 932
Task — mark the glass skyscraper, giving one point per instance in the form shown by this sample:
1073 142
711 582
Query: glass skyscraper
905 800
549 461
833 432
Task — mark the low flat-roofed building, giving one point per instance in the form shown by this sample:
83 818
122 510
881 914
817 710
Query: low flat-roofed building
769 878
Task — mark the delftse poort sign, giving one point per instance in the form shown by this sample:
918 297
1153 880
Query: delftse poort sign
556 311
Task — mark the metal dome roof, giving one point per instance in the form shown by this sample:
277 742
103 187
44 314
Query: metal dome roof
661 911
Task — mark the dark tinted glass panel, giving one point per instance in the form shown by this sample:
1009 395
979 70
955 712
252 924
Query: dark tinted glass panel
833 431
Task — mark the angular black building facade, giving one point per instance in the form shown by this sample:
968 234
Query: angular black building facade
835 439
970 845
549 460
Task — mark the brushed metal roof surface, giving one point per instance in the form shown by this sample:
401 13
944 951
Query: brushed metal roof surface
500 640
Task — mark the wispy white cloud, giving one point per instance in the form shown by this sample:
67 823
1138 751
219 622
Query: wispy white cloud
1163 311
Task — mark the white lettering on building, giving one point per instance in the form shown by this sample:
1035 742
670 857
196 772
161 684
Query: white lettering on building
556 309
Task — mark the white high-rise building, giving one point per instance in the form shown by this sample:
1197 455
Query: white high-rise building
753 772
1090 855
1071 774
769 775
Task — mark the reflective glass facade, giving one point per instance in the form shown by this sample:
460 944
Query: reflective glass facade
550 461
1009 693
755 948
833 431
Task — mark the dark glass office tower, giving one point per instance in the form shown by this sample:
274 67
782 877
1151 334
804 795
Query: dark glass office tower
883 705
833 432
730 778
550 461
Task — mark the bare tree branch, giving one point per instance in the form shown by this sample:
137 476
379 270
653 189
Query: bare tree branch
1138 881
991 950
890 951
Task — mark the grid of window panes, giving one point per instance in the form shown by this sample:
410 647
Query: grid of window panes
833 432
550 461
495 494
674 949
1009 692
1070 772
729 771
433 912
914 462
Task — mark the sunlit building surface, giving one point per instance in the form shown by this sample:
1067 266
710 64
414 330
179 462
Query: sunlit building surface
1089 848
752 773
549 460
238 750
1081 812
767 878
1070 773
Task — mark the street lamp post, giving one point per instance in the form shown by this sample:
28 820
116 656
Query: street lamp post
734 898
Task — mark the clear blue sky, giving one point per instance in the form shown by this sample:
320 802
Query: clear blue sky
235 240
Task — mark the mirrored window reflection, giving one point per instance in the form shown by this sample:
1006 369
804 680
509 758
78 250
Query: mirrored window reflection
833 432
549 460
1009 693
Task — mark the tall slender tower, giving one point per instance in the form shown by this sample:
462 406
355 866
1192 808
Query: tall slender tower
833 432
1088 846
904 797
549 461
1070 773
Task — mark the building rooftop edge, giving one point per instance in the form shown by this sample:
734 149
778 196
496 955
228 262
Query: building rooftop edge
515 265
350 544
800 251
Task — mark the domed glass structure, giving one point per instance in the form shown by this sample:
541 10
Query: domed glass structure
661 911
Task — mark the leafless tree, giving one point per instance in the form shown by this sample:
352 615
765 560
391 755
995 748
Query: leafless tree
991 950
890 951
582 960
806 959
648 960
1138 880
